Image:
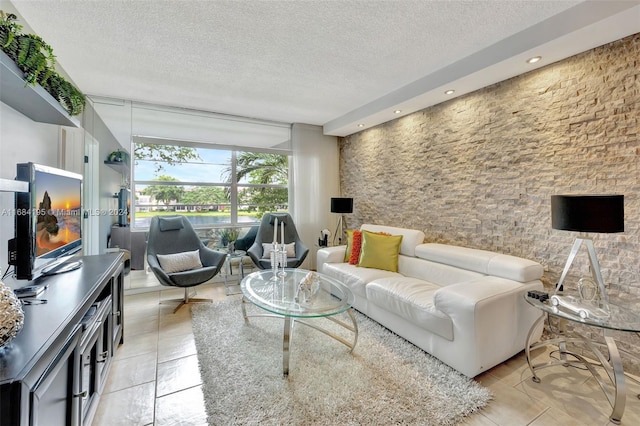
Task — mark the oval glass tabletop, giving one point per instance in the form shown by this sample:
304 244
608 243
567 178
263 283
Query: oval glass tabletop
621 318
282 294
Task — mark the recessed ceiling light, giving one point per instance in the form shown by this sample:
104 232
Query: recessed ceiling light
398 111
534 59
360 125
450 92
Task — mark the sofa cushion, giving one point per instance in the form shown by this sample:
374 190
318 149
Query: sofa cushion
410 237
437 273
354 277
380 251
483 261
411 299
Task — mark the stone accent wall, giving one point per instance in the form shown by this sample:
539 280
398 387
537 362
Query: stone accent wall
479 170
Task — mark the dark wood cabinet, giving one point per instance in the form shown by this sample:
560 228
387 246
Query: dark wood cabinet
53 399
54 371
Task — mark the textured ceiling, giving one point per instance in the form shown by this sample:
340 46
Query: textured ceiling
331 63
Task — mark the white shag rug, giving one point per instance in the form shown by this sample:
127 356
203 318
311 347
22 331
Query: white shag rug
386 380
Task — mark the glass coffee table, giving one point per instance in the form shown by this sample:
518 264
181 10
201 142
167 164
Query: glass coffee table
281 296
621 318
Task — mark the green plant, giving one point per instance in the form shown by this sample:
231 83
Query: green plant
9 31
30 53
36 60
64 92
227 235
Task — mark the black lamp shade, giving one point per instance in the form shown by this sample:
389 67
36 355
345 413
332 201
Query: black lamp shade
342 205
588 213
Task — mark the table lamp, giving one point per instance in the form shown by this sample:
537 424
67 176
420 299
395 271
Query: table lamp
587 213
340 205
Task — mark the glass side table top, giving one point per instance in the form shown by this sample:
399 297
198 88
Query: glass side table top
278 295
225 249
621 318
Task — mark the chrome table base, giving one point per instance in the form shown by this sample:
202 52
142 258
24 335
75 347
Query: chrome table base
289 322
615 390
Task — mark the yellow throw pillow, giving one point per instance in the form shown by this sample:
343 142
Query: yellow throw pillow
380 251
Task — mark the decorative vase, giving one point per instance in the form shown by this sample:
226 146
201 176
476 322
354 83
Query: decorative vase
11 315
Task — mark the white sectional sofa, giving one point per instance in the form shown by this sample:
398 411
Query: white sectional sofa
464 306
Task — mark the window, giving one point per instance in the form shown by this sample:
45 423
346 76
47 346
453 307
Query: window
211 186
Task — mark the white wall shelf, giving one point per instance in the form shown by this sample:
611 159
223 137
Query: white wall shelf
119 166
8 185
32 101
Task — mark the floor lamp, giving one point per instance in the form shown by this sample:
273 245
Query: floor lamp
341 206
587 213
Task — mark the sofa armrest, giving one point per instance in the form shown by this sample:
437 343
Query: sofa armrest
490 314
330 255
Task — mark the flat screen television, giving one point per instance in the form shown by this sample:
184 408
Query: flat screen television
48 220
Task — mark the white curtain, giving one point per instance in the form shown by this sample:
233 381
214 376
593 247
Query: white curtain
314 179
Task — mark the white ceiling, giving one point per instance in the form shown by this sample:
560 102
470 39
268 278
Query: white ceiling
329 63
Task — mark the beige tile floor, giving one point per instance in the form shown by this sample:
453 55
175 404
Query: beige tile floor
154 379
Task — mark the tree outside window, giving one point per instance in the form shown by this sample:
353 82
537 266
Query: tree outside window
199 183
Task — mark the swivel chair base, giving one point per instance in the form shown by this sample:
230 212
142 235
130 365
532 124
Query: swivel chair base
185 300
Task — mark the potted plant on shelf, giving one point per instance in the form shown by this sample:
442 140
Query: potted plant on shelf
35 58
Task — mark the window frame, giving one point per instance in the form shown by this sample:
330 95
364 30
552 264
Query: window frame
234 185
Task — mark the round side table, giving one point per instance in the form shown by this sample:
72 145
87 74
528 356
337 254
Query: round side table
620 319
